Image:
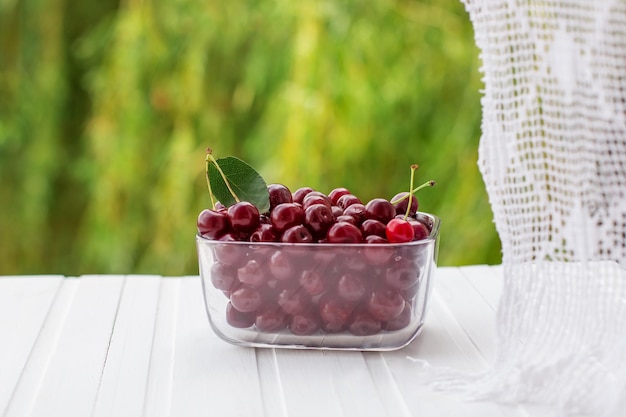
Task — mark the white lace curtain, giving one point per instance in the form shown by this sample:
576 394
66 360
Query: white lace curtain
553 158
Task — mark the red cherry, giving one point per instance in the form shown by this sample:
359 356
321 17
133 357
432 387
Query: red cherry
399 231
420 231
213 224
380 209
279 194
363 324
272 319
244 216
385 304
304 323
246 299
238 318
286 215
335 194
344 232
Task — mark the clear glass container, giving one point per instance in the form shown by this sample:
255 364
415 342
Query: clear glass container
319 295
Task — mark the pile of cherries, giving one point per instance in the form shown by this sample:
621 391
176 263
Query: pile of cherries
362 289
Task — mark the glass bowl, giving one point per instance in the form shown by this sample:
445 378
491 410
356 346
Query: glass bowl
319 295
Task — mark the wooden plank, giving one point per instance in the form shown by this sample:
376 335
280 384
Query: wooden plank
469 309
64 371
157 401
210 376
25 301
486 280
443 348
124 380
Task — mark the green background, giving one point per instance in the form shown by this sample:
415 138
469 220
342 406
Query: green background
106 109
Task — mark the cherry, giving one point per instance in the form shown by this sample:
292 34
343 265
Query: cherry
402 274
364 324
377 255
336 193
420 230
344 232
345 218
401 206
264 233
286 215
244 216
300 193
385 304
228 253
347 200
401 320
293 300
373 227
312 282
304 323
318 218
279 194
223 277
315 197
334 311
238 318
351 287
246 299
337 211
297 234
253 274
380 209
281 266
213 224
356 210
399 231
271 320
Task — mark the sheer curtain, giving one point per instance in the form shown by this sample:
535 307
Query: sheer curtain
553 158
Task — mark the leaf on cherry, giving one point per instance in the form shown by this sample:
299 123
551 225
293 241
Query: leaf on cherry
246 183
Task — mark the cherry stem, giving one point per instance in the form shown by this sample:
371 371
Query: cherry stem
210 158
206 171
414 168
404 197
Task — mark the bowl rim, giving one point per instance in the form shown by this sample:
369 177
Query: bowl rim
434 233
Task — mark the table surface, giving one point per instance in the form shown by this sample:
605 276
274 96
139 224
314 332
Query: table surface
137 345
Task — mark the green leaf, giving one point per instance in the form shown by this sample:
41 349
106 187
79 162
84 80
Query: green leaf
245 182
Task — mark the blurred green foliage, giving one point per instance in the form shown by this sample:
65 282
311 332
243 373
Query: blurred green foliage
106 109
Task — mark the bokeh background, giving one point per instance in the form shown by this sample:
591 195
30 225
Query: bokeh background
107 107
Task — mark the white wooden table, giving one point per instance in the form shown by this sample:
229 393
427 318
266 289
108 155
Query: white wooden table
107 345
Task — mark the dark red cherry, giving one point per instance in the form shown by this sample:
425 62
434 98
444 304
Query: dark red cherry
377 254
244 216
318 218
279 194
286 215
385 304
420 231
246 299
402 205
347 200
253 273
351 287
364 324
399 231
312 282
304 323
294 300
356 210
272 319
402 274
336 193
344 232
401 320
297 234
380 209
315 197
334 311
282 266
264 233
230 253
238 318
300 193
223 277
213 224
373 227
